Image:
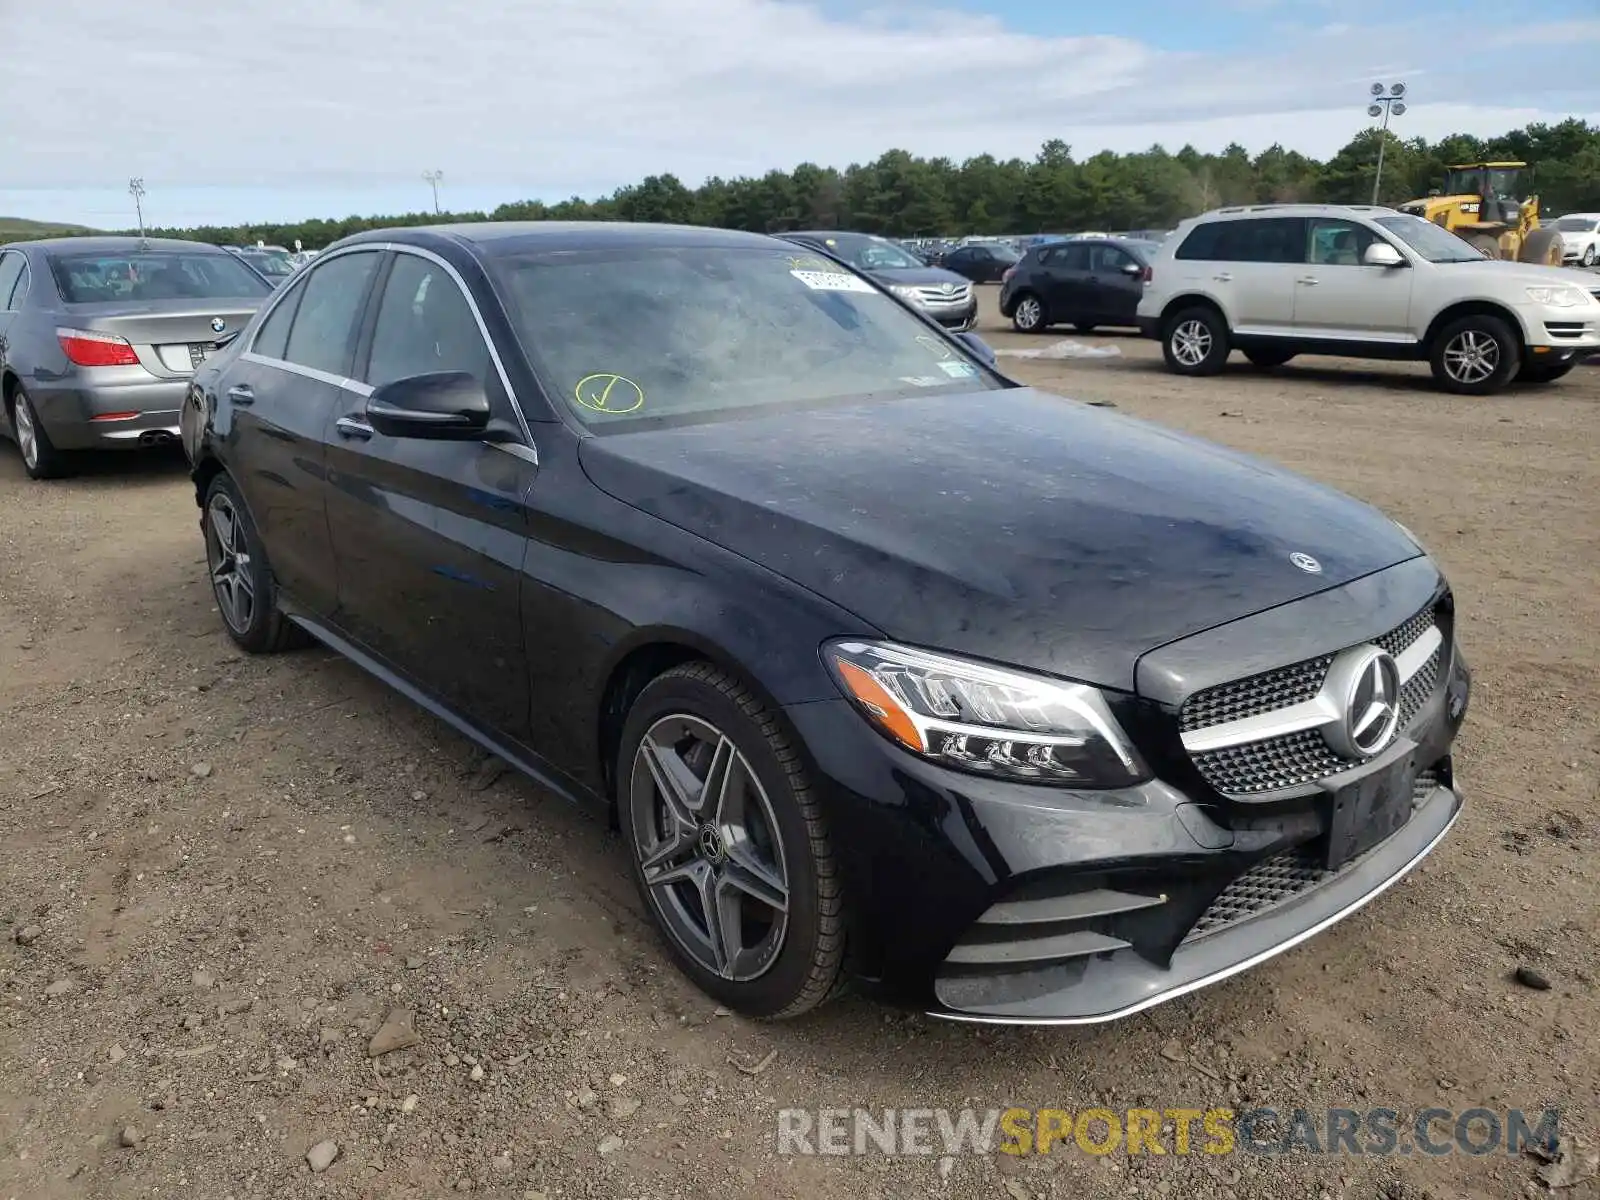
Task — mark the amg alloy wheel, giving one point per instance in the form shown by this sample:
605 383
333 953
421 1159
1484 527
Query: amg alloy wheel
241 578
728 845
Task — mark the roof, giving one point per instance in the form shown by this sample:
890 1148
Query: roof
1296 210
563 235
1469 166
112 244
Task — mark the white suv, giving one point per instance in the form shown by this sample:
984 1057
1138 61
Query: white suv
1278 280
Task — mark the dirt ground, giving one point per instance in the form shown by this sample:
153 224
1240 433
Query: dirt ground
227 871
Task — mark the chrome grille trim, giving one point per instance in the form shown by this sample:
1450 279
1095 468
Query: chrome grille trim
934 296
1268 736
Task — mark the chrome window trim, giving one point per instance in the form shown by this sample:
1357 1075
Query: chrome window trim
1322 709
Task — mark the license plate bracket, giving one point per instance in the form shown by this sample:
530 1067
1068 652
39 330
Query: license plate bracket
199 352
1364 813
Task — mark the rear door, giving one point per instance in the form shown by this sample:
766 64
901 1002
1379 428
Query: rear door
283 391
1068 269
1259 260
431 535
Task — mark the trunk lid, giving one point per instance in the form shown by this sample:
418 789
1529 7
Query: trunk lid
171 338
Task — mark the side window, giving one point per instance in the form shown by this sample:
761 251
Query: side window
11 264
1336 243
20 292
1073 257
324 331
424 325
1264 240
272 339
1107 260
1203 242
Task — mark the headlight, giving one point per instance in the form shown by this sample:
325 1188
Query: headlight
909 294
1558 295
986 720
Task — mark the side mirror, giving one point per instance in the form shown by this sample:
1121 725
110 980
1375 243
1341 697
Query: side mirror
443 406
1132 269
1381 254
978 346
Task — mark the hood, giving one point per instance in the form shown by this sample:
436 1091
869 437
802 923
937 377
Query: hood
1008 525
916 277
1499 272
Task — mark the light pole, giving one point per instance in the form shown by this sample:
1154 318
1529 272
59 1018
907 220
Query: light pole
1386 102
433 178
136 190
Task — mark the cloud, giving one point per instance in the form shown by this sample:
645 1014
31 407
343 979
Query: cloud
570 96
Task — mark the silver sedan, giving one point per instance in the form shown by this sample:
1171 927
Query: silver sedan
99 336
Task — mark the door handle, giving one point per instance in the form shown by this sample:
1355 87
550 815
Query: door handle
1308 280
1223 277
353 427
241 393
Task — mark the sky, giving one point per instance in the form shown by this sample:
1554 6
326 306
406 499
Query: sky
241 110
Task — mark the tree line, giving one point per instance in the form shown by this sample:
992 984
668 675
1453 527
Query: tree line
902 195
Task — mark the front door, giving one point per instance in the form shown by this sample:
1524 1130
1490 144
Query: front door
431 535
1113 287
1337 296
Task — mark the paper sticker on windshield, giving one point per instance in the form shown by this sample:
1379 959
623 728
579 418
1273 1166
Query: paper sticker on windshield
811 262
833 281
607 393
957 369
934 346
922 380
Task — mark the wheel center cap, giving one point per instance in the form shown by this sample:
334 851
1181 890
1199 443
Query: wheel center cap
710 843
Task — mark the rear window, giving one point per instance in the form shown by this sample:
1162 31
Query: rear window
153 275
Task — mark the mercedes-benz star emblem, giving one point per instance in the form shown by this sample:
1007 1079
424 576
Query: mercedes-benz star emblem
218 324
1306 563
710 843
1367 684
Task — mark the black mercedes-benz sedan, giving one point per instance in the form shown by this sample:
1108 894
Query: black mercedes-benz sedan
888 668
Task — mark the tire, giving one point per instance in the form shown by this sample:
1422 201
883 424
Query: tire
241 576
1475 355
1268 357
1537 374
40 458
1541 246
1485 243
1588 255
1029 315
1195 341
1085 327
767 831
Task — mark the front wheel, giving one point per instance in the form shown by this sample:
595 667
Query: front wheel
1195 342
1588 255
1029 315
1476 355
728 845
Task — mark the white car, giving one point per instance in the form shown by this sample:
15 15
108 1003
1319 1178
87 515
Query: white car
1580 237
1277 280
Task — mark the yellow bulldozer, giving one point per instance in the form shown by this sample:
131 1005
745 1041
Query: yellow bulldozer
1490 205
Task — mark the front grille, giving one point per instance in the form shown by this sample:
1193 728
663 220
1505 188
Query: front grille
1281 878
934 296
1295 759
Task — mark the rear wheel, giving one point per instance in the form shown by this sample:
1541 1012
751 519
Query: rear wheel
728 844
40 458
1265 358
1536 373
241 577
1195 341
1476 355
1029 315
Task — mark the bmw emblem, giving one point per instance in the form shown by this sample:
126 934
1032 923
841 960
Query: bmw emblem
1306 563
218 324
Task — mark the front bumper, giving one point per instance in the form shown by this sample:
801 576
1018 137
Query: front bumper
981 900
69 411
957 318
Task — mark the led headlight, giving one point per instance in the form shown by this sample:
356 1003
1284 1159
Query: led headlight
909 294
986 720
1559 295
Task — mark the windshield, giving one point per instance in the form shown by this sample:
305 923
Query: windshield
1428 240
649 334
153 275
1506 182
867 253
1575 224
